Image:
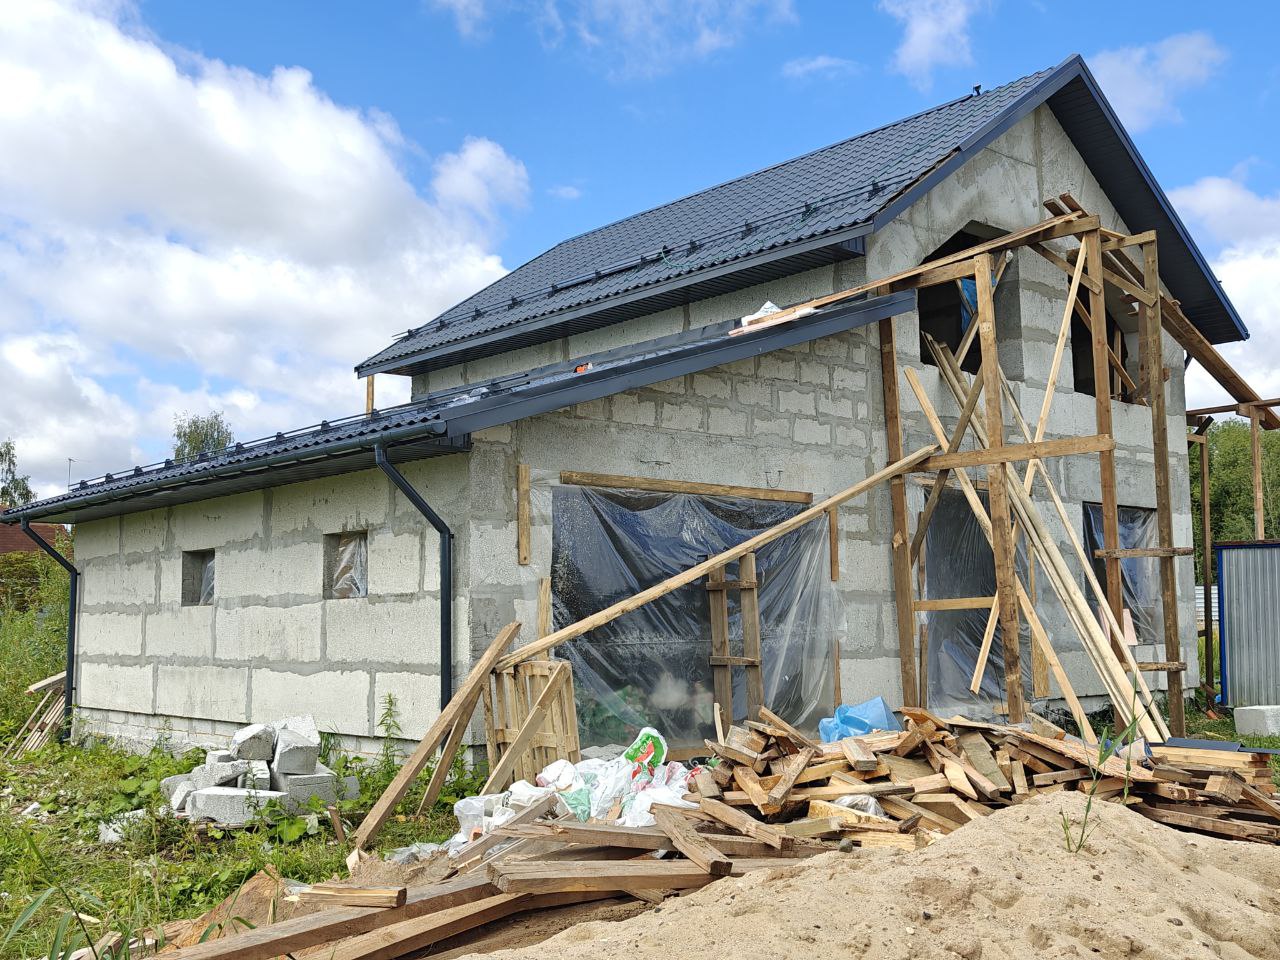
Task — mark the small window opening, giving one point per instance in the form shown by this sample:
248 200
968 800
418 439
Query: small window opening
1082 358
346 565
946 309
1139 576
197 578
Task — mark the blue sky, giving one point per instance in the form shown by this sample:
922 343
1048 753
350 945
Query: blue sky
228 205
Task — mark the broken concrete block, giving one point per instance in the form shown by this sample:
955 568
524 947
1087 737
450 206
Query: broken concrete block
217 774
112 831
178 802
301 787
257 777
1263 720
169 784
303 725
217 756
295 753
230 805
254 742
350 788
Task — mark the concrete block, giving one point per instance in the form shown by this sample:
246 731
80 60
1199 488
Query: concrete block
794 401
730 423
211 523
257 777
303 724
295 753
114 634
219 693
230 805
762 425
301 787
178 802
112 687
273 571
417 697
395 562
776 366
338 697
754 392
705 385
170 785
349 501
219 756
681 416
177 631
1258 721
395 631
815 371
627 409
811 431
142 532
217 774
274 634
113 580
254 742
97 538
675 385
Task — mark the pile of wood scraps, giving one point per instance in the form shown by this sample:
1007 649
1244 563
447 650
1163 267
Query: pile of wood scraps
45 720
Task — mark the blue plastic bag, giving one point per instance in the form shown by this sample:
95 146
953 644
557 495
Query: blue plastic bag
854 721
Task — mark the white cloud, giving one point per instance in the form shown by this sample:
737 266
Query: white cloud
634 38
565 191
177 233
1247 227
1143 82
935 34
822 66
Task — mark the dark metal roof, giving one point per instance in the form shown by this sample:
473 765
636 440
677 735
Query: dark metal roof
442 422
798 214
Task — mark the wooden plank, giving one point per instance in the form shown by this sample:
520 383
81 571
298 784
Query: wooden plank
287 936
721 671
544 606
462 703
474 853
53 682
1132 553
977 751
1102 415
572 833
1002 535
1017 452
955 603
523 535
749 615
748 782
833 544
658 485
537 877
742 822
329 893
900 543
1206 546
698 571
1255 454
772 718
778 792
857 754
690 843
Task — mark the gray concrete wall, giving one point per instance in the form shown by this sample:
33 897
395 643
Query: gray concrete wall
807 418
270 645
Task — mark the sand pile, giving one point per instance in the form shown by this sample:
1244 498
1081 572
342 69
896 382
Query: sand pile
1004 886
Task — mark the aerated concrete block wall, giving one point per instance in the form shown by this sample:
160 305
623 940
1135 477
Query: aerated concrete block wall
811 417
270 645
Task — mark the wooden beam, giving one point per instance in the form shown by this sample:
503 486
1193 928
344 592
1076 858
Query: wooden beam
691 843
1013 453
443 725
956 603
1255 457
833 544
749 615
1153 346
658 485
698 571
523 535
1132 553
1206 546
368 393
1233 408
1002 540
900 543
1112 244
287 936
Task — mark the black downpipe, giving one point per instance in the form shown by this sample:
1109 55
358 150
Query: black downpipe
446 569
68 685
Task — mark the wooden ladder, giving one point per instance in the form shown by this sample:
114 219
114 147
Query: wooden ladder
722 661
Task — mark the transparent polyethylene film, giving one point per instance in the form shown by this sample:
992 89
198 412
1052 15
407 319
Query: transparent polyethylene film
651 667
350 566
207 580
958 562
1140 576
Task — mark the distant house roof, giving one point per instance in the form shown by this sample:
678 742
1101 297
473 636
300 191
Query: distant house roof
442 422
811 210
13 540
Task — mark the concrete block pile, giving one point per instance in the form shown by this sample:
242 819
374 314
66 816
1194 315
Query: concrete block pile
265 762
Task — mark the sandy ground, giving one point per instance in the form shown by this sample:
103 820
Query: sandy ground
1003 887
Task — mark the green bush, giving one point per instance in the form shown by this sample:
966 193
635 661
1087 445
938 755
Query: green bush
33 631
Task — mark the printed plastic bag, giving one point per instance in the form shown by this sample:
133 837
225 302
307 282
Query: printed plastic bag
648 749
854 721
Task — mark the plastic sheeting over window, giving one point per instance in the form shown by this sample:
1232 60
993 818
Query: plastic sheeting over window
349 565
206 579
651 667
1139 576
959 563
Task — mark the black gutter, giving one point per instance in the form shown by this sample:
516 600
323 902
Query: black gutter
446 568
69 684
